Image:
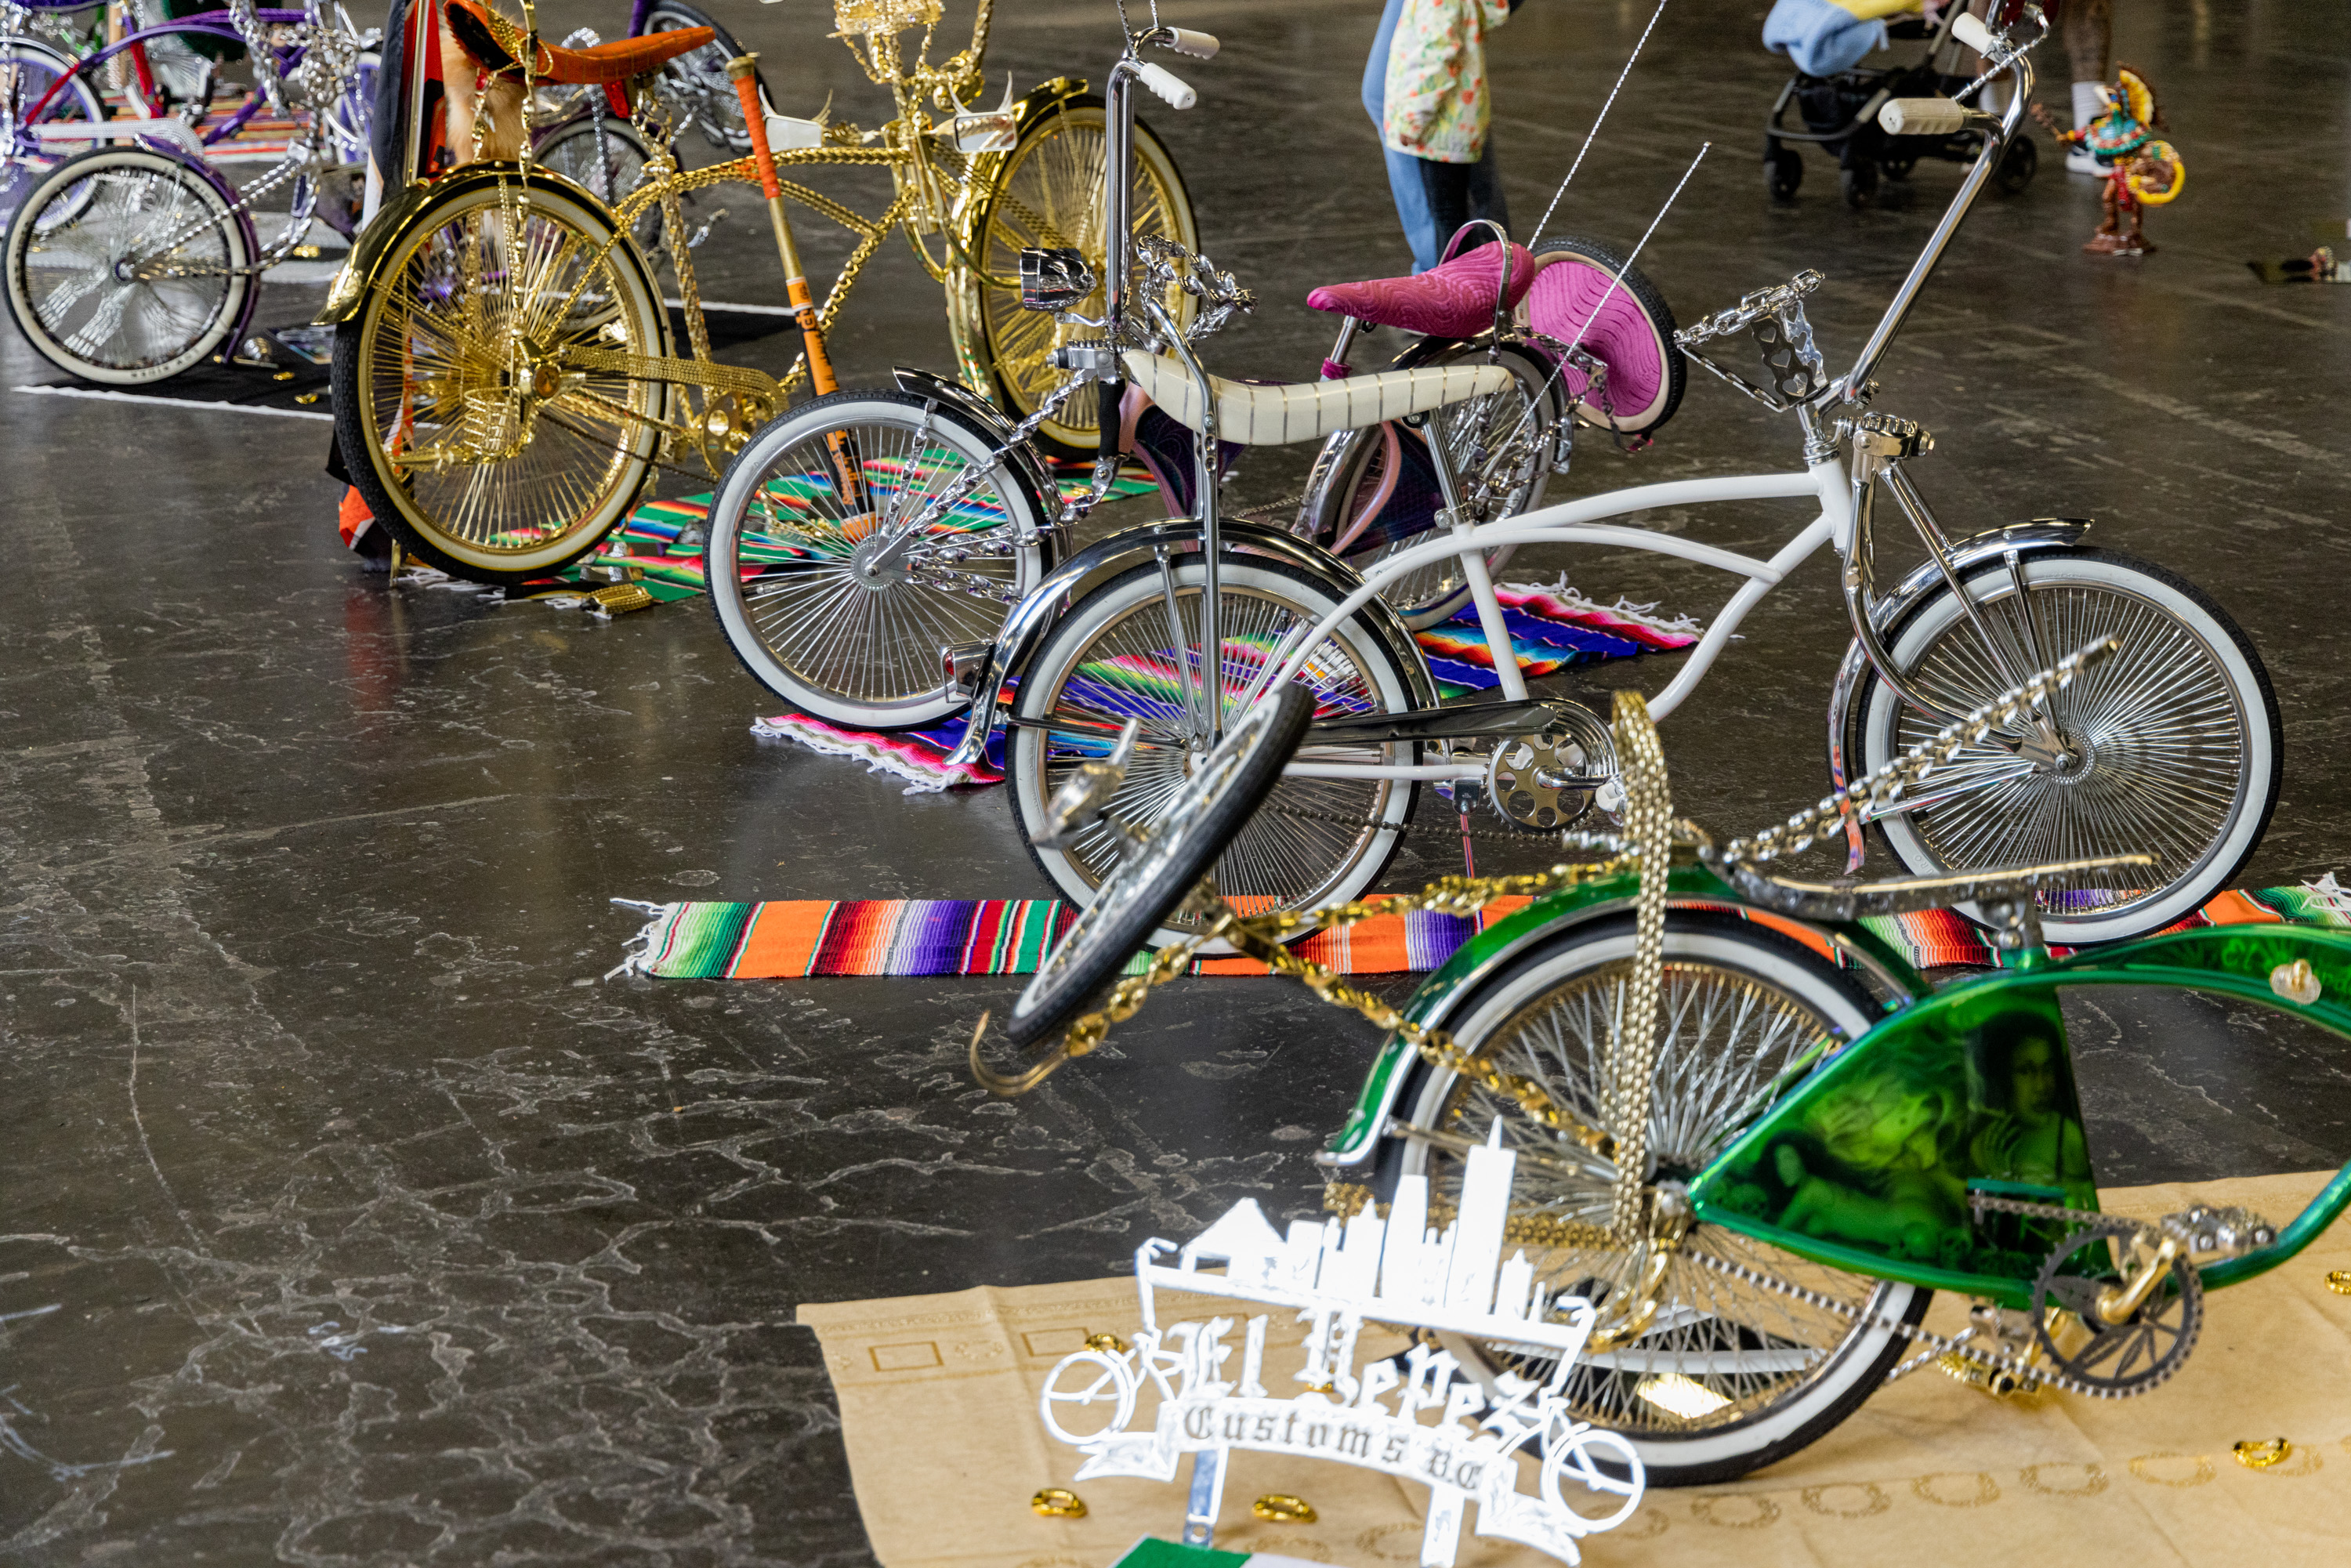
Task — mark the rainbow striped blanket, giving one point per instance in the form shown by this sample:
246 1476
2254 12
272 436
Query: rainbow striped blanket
1552 628
669 570
794 938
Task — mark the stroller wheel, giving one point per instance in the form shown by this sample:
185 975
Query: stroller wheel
1859 183
1783 170
2016 166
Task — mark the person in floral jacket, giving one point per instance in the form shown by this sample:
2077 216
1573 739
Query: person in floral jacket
1425 87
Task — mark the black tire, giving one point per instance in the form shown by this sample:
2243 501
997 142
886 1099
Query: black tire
697 83
2016 166
1558 990
1783 175
2176 640
1857 183
1670 380
1202 817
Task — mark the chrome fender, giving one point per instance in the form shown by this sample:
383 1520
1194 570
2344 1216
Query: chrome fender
1967 554
1025 627
990 419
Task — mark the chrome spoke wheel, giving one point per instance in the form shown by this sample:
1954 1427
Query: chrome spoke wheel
1725 1375
2166 749
1382 495
1116 656
126 267
822 582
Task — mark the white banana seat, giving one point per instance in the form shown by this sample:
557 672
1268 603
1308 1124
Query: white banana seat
1307 411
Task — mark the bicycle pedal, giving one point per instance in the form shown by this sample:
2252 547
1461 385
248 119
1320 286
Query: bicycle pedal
620 598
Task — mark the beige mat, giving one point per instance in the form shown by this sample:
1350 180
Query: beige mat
938 1401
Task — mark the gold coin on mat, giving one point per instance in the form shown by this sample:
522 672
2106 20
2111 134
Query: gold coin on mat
1108 1343
2339 1281
1278 1508
2262 1456
1055 1502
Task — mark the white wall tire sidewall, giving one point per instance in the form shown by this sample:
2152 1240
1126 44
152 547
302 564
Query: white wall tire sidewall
224 323
1938 615
1858 1357
729 506
1024 748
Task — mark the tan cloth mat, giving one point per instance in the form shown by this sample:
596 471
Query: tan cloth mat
938 1404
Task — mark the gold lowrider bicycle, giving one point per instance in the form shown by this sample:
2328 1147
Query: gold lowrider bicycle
505 381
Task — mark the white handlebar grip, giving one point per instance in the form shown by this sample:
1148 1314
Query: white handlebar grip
1166 85
1969 28
1199 46
1921 117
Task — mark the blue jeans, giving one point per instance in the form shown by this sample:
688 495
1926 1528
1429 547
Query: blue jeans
1432 199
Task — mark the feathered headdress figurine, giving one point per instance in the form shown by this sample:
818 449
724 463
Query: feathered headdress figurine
2142 169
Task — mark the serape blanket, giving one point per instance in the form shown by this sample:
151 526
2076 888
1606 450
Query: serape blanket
794 938
669 570
1552 627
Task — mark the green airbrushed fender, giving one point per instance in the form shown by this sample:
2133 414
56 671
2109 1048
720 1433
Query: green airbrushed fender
1689 885
1866 1164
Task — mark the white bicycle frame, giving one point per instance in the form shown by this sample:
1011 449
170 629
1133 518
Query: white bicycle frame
1578 522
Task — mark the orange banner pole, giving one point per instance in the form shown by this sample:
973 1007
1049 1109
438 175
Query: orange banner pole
744 70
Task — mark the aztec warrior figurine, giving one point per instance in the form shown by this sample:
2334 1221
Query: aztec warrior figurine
2141 169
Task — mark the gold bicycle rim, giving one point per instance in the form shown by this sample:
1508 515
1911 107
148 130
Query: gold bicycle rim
494 478
1057 173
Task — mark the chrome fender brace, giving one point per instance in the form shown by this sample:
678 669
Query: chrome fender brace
2012 541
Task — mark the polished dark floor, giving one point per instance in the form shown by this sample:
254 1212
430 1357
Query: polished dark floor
349 1215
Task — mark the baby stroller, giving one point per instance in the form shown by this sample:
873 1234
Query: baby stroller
1840 116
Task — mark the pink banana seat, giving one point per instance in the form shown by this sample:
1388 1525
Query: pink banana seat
1451 299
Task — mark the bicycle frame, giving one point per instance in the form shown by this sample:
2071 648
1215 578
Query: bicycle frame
165 127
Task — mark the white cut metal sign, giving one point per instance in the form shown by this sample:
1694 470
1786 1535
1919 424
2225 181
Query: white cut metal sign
1389 1270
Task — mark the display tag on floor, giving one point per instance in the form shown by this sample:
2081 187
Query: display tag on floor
1440 1414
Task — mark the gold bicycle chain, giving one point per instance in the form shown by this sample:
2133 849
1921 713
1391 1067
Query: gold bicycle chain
1633 1056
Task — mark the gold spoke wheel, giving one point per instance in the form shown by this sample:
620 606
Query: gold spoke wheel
1054 177
460 424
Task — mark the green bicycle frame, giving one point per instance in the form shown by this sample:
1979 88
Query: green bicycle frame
1867 1162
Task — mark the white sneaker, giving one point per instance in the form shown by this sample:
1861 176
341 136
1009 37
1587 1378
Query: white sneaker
2078 162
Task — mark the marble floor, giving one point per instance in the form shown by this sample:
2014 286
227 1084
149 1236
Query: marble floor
349 1215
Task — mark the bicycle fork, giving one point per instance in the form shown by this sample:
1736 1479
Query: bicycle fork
1880 445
